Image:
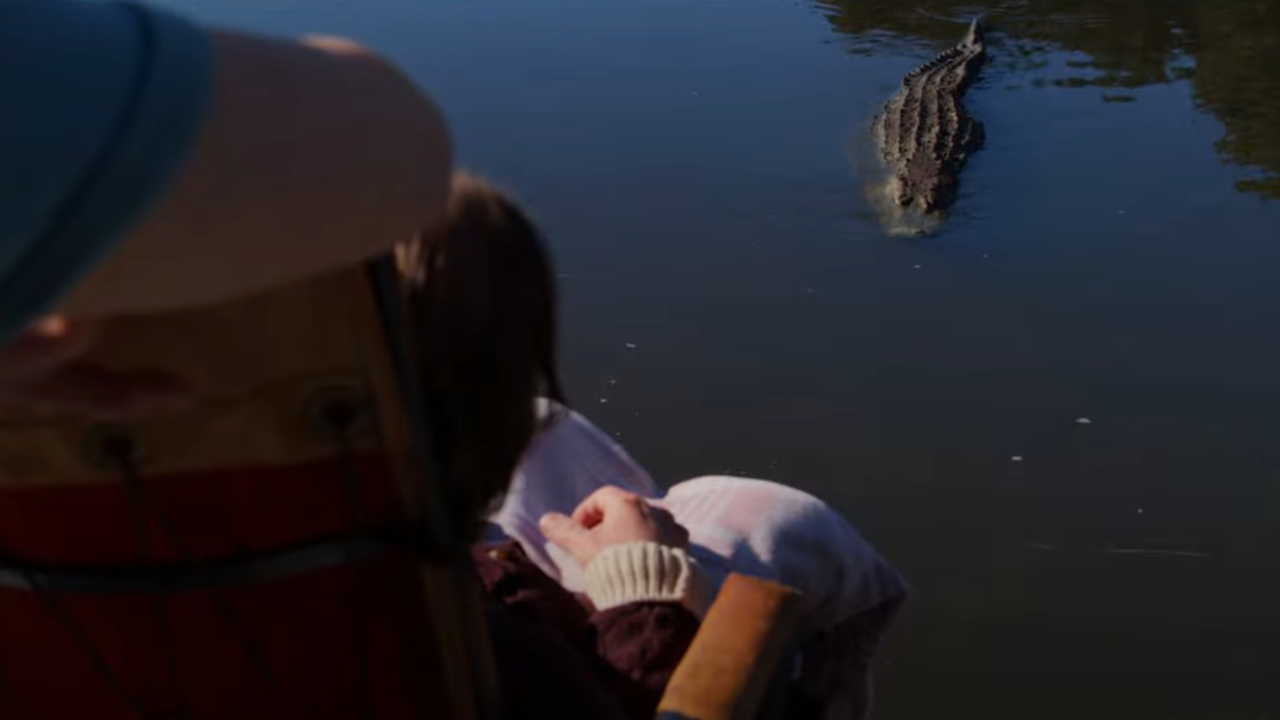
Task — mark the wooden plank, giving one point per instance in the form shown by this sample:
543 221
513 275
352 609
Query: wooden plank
727 671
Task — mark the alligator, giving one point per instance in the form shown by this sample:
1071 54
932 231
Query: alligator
924 133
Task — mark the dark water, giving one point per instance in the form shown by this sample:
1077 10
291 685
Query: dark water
732 305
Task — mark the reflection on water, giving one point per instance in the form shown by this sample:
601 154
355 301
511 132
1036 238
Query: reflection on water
1117 617
1228 49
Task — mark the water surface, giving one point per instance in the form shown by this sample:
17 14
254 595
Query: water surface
731 304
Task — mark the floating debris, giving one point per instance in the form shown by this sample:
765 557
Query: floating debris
631 346
1155 552
1139 511
1083 421
1039 546
1016 458
917 267
604 400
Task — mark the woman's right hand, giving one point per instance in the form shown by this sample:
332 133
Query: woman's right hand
611 516
44 370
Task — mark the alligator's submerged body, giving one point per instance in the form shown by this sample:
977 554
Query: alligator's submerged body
925 135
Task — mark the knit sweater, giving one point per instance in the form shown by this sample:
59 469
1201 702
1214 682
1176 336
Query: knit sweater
559 658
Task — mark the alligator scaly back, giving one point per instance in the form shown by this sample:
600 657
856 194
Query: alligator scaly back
925 135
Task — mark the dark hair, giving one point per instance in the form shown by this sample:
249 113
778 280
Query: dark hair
482 315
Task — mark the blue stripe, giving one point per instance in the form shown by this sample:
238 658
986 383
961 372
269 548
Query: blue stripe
162 110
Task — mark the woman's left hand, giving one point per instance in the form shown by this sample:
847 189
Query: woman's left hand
611 516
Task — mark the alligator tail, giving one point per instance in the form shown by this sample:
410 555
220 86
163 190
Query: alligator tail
976 35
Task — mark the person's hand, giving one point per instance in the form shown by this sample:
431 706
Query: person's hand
610 516
43 370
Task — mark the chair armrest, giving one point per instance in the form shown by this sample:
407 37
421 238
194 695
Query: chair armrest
737 654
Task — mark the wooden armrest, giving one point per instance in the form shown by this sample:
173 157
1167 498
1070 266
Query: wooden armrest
736 655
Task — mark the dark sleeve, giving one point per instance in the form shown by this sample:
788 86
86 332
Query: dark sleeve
629 651
640 644
542 676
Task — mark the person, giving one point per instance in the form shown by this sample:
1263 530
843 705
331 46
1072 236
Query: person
467 280
151 165
161 166
483 297
850 594
644 600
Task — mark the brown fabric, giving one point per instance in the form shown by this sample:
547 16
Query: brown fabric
641 644
629 652
544 677
260 367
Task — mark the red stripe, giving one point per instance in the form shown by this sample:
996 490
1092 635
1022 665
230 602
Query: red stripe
316 631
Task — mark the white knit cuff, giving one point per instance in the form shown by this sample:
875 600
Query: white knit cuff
646 572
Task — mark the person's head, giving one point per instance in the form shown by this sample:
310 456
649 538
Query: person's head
482 307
